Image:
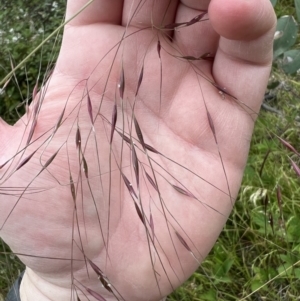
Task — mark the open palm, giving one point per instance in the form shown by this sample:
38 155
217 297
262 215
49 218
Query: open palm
128 162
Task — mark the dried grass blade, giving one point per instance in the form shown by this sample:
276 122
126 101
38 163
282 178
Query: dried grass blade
1 166
139 132
191 58
105 284
151 181
139 212
279 199
135 163
288 146
184 192
95 295
59 121
96 269
265 204
27 109
295 167
113 122
72 187
211 124
196 19
140 81
78 139
183 242
129 187
25 161
33 126
173 26
5 84
90 108
100 275
151 149
121 84
34 92
158 48
49 161
124 137
264 162
36 107
85 167
271 221
103 279
49 74
152 225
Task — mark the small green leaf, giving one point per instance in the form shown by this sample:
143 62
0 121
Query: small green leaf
224 268
260 220
273 2
291 61
210 295
256 284
285 35
297 273
285 270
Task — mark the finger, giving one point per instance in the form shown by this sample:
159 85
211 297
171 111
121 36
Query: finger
244 55
99 11
200 38
143 13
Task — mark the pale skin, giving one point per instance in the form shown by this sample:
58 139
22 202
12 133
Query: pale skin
141 261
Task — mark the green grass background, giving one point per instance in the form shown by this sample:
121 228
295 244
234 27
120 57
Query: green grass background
257 256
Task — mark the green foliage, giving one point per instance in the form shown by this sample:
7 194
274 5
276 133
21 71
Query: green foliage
286 35
24 25
285 38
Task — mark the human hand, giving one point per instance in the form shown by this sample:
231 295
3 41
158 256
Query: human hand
79 202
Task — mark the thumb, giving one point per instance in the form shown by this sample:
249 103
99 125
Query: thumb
244 56
242 20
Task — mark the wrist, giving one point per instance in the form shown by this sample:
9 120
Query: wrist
34 288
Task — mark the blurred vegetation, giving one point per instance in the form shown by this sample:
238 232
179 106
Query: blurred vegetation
24 25
257 255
